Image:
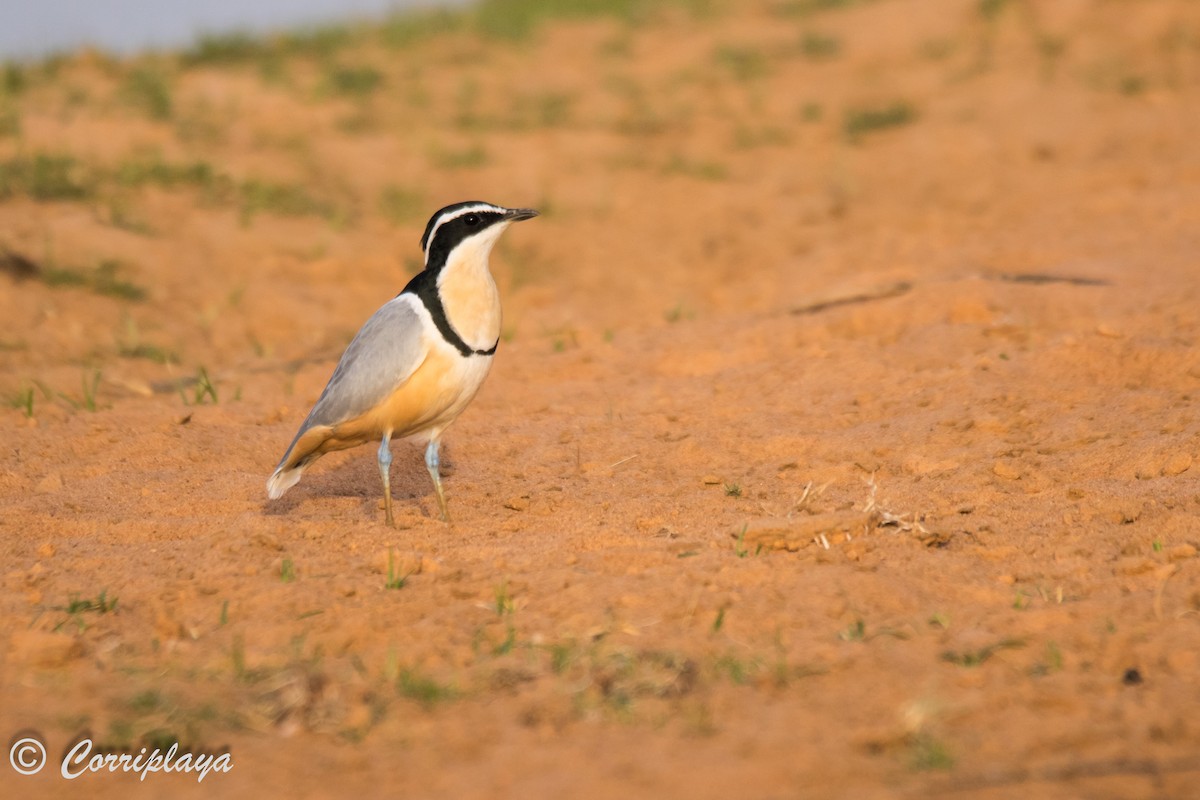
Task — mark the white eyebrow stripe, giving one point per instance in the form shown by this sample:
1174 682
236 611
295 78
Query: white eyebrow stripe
451 217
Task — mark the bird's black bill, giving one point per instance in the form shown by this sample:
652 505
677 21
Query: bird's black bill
518 214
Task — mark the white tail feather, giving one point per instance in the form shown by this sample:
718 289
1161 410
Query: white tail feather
282 480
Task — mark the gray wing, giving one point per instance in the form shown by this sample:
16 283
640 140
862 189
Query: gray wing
384 354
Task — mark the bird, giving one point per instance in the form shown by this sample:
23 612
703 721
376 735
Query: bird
419 360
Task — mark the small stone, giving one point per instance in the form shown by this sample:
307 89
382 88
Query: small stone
1181 552
711 480
267 540
50 484
918 465
46 550
1181 661
1134 566
39 648
1132 677
517 503
1006 470
1177 464
1147 470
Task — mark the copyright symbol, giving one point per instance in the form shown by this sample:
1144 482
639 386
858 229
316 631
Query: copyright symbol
27 756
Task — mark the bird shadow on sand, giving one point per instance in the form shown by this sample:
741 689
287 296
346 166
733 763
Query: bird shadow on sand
357 475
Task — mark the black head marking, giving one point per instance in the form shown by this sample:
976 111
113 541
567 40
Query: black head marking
449 226
445 231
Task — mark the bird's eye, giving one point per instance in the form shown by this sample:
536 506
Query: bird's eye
471 220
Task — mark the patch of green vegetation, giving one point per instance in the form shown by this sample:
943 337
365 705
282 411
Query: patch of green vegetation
152 170
562 655
856 632
504 602
860 121
543 110
400 205
362 120
408 28
737 670
678 312
704 170
323 42
287 569
733 490
148 352
990 9
100 604
352 81
203 389
253 196
471 157
44 177
290 200
973 658
746 137
132 346
13 78
102 280
927 753
10 120
23 400
744 63
202 122
394 579
90 384
147 89
236 47
819 46
120 215
1050 51
509 641
739 545
939 620
1052 661
937 49
423 689
146 702
105 281
64 276
624 677
1131 84
518 19
803 8
317 41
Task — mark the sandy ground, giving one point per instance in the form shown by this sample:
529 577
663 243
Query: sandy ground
820 458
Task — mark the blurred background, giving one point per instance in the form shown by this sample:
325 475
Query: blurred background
194 185
126 26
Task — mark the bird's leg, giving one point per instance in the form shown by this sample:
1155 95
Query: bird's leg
385 466
431 463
